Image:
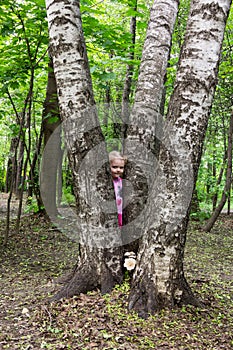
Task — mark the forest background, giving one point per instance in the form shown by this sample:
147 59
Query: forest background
24 71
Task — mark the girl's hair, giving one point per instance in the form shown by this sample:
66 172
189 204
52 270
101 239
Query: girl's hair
116 155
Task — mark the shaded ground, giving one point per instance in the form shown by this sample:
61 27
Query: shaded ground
34 259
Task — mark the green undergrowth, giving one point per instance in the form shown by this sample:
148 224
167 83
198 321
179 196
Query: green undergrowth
34 259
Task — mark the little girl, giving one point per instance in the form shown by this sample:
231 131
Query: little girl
117 164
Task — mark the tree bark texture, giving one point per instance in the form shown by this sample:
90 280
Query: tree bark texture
144 128
159 279
97 230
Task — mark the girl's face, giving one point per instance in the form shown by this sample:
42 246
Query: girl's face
117 167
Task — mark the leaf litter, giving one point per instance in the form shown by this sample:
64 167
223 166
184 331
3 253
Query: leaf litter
34 260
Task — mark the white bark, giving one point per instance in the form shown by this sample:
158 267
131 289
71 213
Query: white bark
96 229
153 66
198 69
83 136
144 131
159 272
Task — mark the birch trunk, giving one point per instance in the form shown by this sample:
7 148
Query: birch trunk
159 279
144 128
96 229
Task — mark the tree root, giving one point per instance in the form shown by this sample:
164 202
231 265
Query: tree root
102 270
145 300
84 279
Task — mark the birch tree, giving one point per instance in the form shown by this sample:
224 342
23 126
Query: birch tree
167 155
97 267
159 277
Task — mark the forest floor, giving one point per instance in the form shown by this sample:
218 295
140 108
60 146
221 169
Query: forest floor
36 256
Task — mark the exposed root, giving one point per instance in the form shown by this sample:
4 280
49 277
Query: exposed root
145 300
84 279
102 271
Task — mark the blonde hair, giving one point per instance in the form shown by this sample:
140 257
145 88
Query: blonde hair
116 155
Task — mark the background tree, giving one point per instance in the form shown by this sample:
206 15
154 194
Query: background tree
20 61
227 188
52 161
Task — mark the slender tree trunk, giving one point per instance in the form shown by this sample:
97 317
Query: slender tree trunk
21 190
27 111
33 178
10 164
219 179
19 172
7 231
107 101
226 192
125 111
52 145
229 202
144 129
21 123
222 169
209 180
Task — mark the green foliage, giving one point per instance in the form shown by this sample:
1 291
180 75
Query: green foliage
32 206
23 33
110 43
68 196
23 75
201 215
